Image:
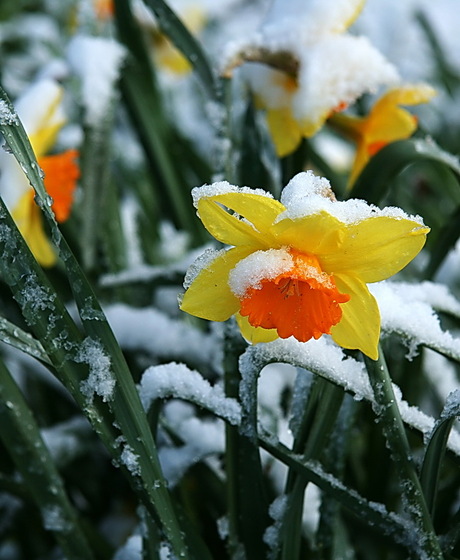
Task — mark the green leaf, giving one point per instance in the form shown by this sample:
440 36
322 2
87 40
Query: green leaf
378 175
131 444
22 340
185 42
21 437
436 449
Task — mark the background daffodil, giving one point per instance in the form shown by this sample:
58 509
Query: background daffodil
42 115
298 267
302 66
385 123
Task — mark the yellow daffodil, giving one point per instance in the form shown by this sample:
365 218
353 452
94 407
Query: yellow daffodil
41 113
302 66
298 267
385 123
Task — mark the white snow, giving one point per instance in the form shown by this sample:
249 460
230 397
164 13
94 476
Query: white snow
260 265
178 381
223 187
100 380
306 194
97 61
152 331
405 310
7 116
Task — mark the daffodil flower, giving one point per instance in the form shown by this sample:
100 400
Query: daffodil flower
385 123
298 267
41 113
302 66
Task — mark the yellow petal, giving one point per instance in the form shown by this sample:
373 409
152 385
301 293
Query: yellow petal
29 221
258 210
284 130
376 248
254 335
318 234
209 295
406 95
359 328
43 137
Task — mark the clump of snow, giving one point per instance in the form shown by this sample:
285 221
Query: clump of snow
98 62
130 460
276 511
320 356
260 265
7 115
100 380
178 381
304 196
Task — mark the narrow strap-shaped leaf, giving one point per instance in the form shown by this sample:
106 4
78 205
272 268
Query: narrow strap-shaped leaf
22 340
436 449
135 450
248 503
173 28
377 176
387 412
374 513
21 437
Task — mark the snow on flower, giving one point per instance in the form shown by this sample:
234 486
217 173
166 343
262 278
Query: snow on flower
41 112
303 66
299 267
385 123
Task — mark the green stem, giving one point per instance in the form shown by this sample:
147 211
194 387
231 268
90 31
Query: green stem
247 501
387 411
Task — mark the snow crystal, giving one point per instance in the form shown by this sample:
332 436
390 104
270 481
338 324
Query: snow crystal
7 115
130 460
223 187
178 381
260 265
97 61
302 197
100 380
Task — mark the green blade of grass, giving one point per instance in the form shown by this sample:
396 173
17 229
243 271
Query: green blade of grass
21 437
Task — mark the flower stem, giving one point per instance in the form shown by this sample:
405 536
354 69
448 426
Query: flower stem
388 414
